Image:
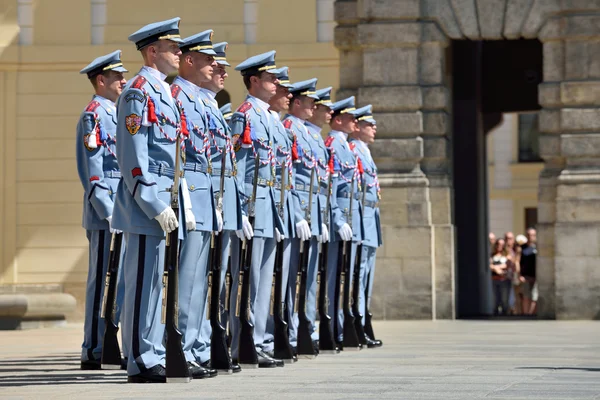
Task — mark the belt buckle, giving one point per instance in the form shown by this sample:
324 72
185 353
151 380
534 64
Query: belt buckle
209 170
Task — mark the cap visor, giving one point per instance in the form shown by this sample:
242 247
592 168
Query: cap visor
225 63
286 85
119 69
210 52
313 96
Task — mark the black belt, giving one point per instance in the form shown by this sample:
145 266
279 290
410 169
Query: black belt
162 170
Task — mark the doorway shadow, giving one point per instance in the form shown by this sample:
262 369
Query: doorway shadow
587 369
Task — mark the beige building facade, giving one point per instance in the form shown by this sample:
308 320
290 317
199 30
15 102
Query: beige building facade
513 174
44 44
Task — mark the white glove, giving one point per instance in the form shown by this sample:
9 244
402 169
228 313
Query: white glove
112 230
278 236
190 220
345 232
324 236
219 222
167 220
303 230
246 230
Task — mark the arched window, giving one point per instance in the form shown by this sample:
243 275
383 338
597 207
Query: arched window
223 98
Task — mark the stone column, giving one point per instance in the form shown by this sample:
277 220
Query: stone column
569 210
391 60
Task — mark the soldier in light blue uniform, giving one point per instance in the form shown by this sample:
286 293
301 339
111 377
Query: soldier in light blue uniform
252 128
301 108
195 67
343 123
283 143
321 116
99 174
148 122
372 238
219 136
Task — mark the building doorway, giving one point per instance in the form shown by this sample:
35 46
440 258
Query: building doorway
490 81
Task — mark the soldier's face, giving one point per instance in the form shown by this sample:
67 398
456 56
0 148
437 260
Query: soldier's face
367 132
267 84
112 83
348 123
204 66
219 76
321 115
166 56
306 106
281 100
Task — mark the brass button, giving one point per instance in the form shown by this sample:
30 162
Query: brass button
110 192
192 187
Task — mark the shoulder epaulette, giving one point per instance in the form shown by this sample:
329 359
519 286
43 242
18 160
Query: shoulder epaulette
287 124
329 141
92 106
138 82
245 107
175 90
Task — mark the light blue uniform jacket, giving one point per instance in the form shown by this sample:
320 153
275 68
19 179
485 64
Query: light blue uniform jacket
345 195
250 116
220 135
283 150
146 155
303 166
371 222
97 167
322 156
197 146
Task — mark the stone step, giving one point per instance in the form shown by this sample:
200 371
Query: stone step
34 306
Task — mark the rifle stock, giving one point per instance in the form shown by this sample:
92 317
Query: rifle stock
306 348
281 342
175 363
247 351
219 351
326 343
358 325
350 341
111 352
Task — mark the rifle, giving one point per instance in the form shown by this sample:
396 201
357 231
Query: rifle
281 342
368 315
111 353
176 367
305 344
219 351
247 352
326 343
358 326
350 341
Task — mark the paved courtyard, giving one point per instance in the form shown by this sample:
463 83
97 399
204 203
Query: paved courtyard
420 359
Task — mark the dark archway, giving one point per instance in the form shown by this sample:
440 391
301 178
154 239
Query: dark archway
489 77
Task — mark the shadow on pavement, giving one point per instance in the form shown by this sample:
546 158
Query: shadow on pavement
589 369
62 379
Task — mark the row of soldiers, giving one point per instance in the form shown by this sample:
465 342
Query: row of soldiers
269 219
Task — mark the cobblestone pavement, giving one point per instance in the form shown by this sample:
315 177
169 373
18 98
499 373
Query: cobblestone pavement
420 359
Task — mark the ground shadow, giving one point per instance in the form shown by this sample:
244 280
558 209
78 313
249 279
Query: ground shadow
589 369
61 379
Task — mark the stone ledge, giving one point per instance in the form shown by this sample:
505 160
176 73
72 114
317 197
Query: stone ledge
27 310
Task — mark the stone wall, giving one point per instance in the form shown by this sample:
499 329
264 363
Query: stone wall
393 55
